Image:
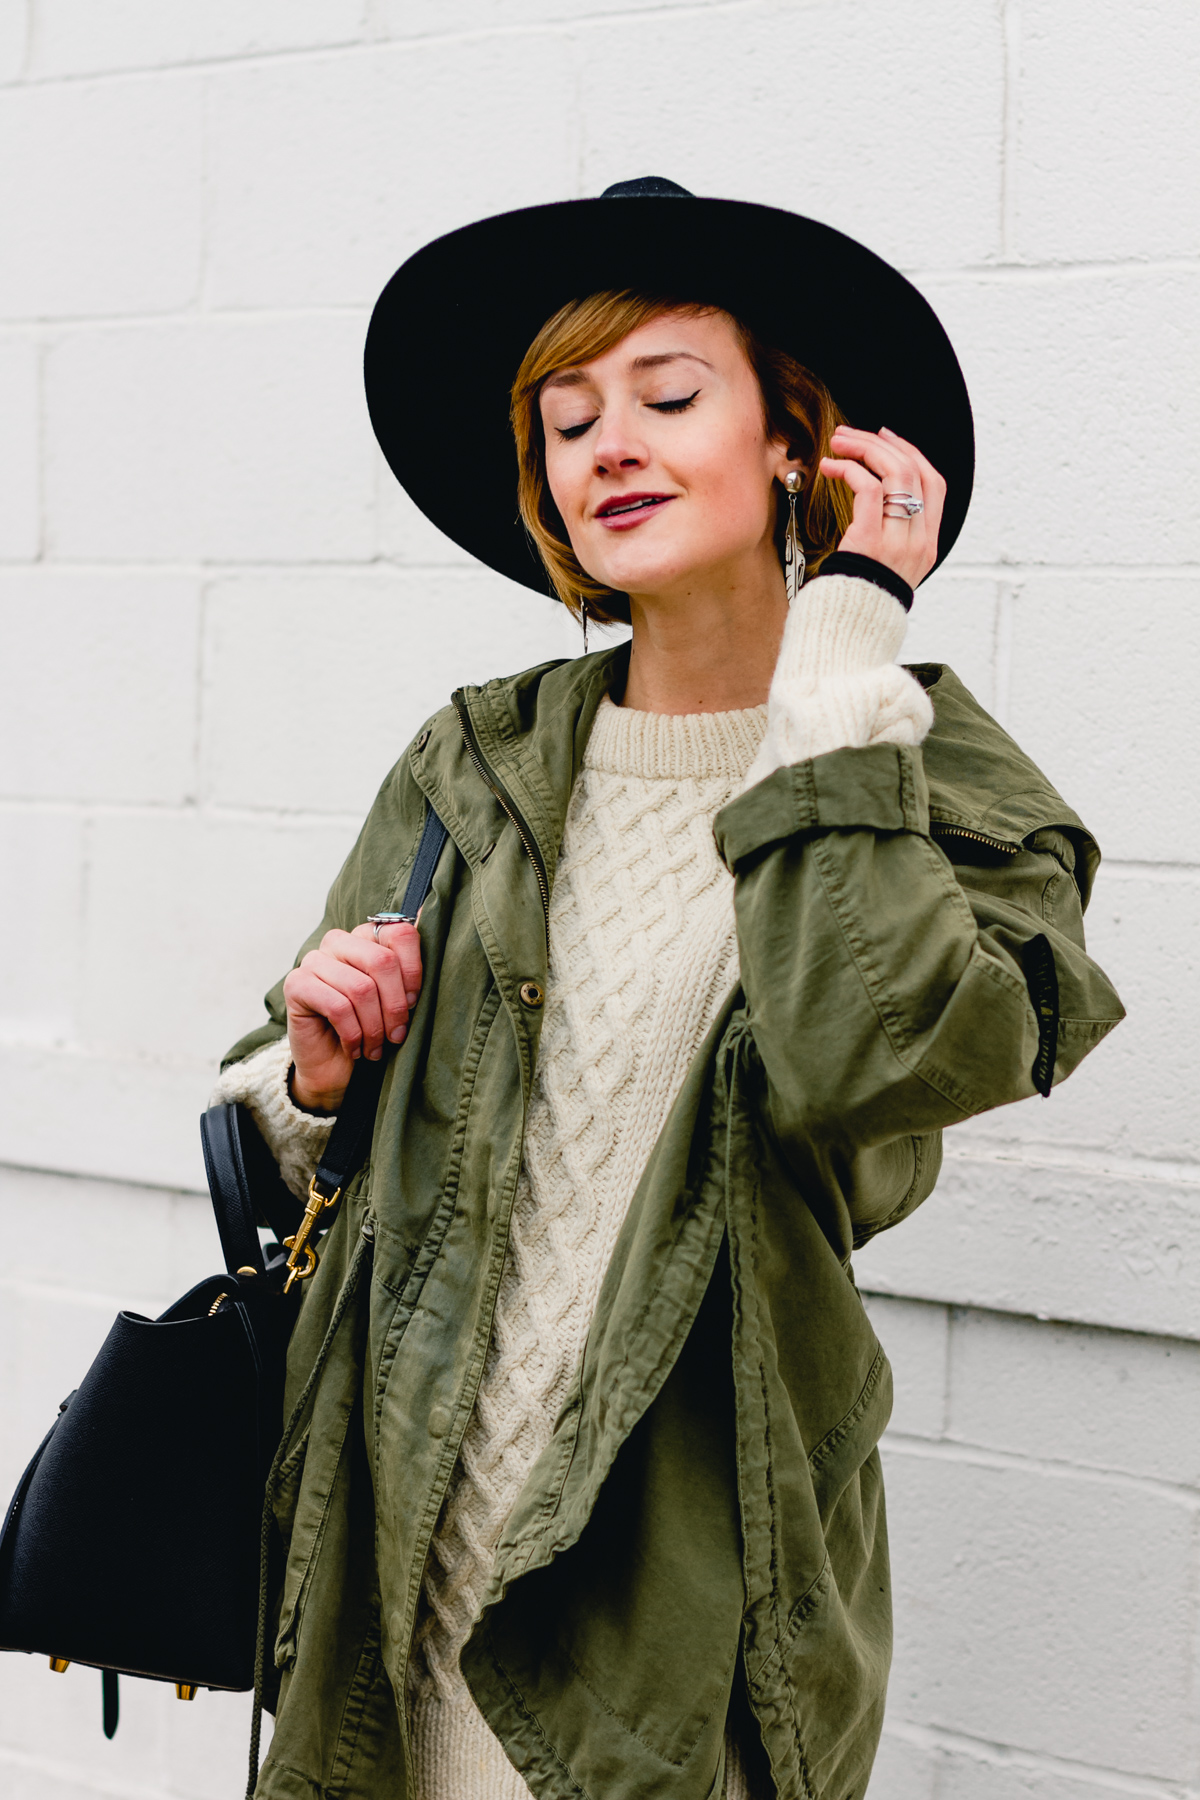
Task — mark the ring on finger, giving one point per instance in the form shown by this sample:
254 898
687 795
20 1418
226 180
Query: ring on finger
899 504
386 918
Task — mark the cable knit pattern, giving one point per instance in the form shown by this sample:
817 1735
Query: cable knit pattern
642 951
837 683
295 1139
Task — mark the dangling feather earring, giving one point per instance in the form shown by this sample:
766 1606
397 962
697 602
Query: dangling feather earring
793 549
583 613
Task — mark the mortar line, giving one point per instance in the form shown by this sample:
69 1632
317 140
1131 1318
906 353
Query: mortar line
933 1737
960 1450
1011 22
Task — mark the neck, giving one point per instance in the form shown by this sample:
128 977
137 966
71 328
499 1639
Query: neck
707 645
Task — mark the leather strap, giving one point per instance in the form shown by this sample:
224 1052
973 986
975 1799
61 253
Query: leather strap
350 1139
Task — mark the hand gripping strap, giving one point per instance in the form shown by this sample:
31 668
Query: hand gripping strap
350 1139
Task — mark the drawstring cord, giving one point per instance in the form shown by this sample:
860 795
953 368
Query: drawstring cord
264 1544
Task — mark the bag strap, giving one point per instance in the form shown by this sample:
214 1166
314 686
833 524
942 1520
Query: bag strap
350 1139
245 1185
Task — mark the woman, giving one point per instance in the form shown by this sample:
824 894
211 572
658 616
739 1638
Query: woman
581 1493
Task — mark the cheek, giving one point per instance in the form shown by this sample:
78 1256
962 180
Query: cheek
735 487
564 480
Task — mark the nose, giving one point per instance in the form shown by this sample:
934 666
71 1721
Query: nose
618 446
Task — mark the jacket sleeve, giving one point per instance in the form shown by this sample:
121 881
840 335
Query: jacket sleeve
888 992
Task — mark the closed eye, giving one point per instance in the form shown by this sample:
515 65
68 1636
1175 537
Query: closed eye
672 406
569 432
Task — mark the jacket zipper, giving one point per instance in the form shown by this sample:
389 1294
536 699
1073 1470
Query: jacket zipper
937 829
490 781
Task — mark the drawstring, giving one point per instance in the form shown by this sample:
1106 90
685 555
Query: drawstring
264 1543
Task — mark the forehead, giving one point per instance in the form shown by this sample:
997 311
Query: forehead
692 339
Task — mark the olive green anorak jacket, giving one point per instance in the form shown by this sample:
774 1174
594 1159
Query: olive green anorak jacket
707 1521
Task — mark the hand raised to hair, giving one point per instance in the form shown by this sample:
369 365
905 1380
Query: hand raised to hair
874 464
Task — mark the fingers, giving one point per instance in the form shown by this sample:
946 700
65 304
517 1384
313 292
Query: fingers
359 987
876 464
404 943
888 457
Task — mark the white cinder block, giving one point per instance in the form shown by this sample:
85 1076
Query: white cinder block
327 173
20 450
75 37
1058 365
992 1775
1107 163
113 1245
100 211
1067 1394
127 1118
1064 1243
41 912
953 621
1051 1614
1103 679
242 440
400 643
401 19
914 1335
14 41
903 1771
104 707
190 920
785 95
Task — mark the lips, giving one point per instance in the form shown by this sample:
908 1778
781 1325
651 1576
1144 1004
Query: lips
623 508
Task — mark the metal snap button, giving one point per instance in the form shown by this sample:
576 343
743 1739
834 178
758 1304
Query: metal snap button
422 740
531 993
439 1421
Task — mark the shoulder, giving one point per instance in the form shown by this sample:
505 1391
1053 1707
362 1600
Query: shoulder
981 780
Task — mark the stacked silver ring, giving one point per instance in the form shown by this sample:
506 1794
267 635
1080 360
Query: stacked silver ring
386 918
904 506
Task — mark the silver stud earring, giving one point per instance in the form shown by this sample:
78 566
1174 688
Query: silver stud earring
793 550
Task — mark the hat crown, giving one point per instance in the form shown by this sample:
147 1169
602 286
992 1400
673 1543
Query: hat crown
652 186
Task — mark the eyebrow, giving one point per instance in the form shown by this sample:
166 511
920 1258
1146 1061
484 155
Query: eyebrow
577 378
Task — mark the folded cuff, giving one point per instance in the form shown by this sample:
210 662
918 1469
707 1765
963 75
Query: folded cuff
880 787
296 1139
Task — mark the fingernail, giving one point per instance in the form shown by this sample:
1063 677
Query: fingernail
355 1054
374 1055
411 998
397 1035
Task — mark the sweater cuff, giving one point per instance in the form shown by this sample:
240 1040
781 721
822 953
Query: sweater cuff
296 1139
849 562
836 683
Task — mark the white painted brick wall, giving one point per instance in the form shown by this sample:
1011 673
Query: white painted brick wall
203 560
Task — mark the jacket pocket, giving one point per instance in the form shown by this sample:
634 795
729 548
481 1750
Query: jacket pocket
304 1499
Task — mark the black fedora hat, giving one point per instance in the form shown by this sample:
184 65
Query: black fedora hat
450 329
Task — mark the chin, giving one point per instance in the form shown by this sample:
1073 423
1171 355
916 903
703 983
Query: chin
642 572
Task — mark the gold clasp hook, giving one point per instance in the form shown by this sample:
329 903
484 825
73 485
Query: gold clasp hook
299 1245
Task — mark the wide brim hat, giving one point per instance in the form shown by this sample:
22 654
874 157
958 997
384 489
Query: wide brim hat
452 325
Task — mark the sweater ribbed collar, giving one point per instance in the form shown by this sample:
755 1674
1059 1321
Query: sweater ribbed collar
674 746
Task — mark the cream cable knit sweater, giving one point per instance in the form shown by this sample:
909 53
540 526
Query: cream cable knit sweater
642 951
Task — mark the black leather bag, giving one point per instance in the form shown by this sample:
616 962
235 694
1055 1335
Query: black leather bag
133 1540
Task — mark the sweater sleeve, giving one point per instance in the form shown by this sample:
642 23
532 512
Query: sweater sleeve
836 684
296 1139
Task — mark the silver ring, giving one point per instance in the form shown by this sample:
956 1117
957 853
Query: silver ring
909 506
385 918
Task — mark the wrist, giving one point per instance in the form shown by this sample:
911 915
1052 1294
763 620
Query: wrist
869 568
321 1103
